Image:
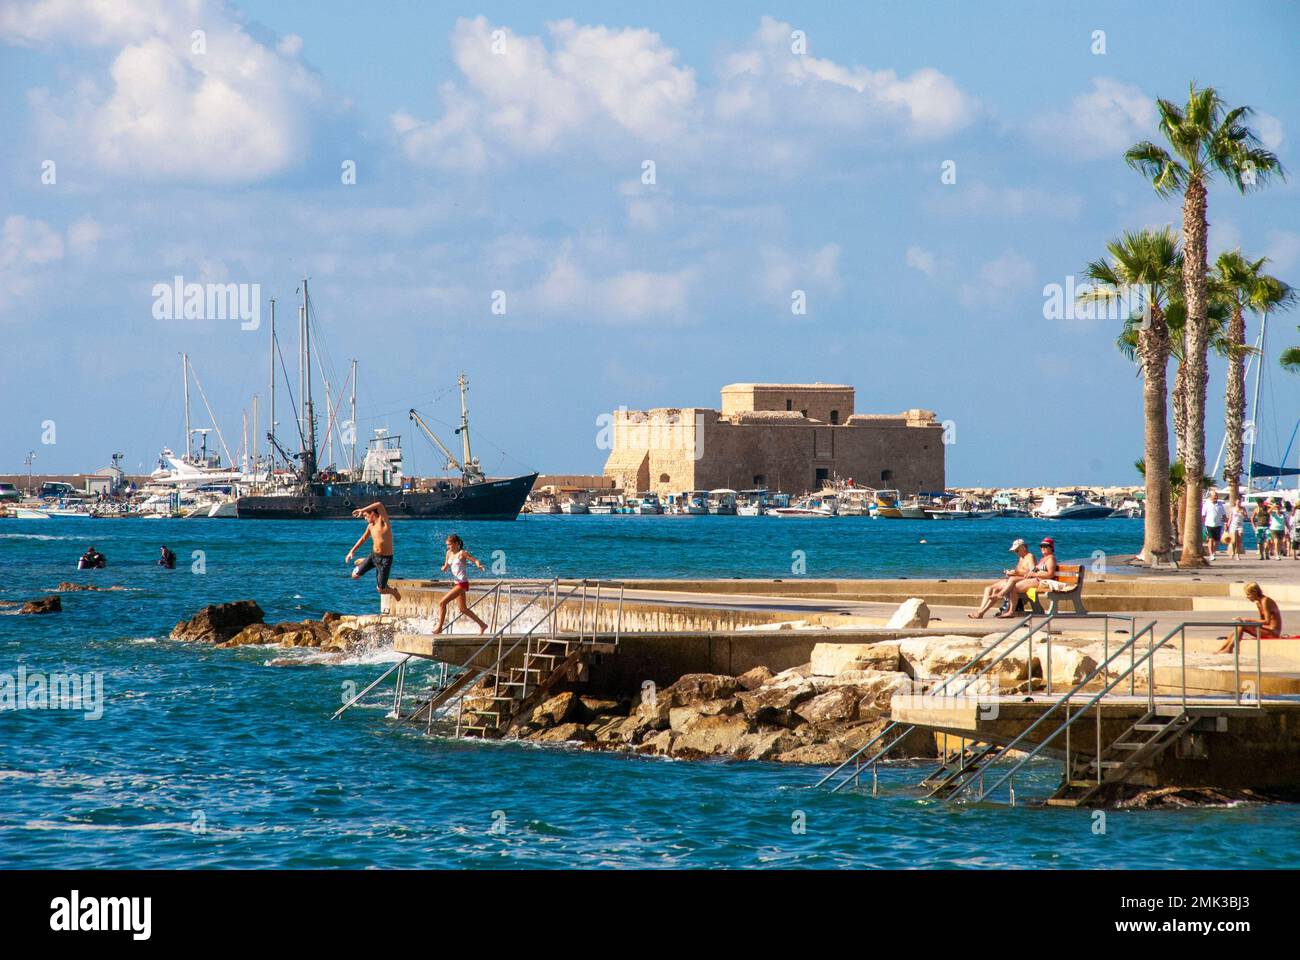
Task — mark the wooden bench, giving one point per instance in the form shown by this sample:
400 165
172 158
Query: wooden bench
1070 574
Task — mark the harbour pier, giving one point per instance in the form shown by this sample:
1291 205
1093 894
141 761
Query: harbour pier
1125 700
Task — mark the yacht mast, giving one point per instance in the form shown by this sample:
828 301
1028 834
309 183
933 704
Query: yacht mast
464 421
352 424
271 424
185 376
309 432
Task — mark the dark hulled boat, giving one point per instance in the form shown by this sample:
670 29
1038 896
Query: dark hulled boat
447 500
313 494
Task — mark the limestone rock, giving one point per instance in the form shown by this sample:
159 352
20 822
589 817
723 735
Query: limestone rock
821 754
910 614
765 744
564 732
708 736
773 704
694 687
559 709
838 705
50 604
832 659
218 622
654 712
592 708
660 743
752 679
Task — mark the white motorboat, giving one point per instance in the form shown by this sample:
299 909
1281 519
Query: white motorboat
603 506
818 505
646 504
573 506
1071 506
722 502
751 503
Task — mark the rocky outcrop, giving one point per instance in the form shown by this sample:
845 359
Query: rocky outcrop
67 586
242 624
218 622
50 604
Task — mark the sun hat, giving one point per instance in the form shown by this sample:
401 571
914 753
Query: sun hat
1047 542
1016 544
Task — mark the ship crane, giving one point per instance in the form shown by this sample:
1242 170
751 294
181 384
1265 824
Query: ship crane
471 471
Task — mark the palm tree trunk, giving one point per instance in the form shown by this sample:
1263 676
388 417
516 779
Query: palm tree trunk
1153 352
1234 403
1180 408
1195 360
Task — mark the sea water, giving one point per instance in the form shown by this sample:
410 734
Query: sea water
228 758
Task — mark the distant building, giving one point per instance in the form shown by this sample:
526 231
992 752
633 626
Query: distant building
790 437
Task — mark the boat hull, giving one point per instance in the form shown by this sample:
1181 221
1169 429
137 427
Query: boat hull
489 500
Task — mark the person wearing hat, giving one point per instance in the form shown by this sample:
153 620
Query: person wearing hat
995 593
1041 577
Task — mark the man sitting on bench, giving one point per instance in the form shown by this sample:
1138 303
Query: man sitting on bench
995 593
1042 577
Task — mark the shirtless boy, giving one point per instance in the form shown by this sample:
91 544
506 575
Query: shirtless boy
380 532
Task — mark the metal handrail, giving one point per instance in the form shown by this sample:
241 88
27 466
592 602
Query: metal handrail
339 712
1028 637
1070 719
876 739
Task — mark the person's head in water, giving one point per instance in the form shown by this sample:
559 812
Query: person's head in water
454 542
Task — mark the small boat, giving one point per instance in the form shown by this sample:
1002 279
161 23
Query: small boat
886 505
26 513
694 503
603 506
817 505
722 502
646 504
573 507
913 509
751 503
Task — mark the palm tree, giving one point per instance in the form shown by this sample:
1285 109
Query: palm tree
1234 280
1176 317
1207 138
1149 261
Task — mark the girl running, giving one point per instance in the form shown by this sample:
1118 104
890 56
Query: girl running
458 560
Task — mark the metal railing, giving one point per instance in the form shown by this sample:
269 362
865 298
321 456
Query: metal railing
942 690
1129 673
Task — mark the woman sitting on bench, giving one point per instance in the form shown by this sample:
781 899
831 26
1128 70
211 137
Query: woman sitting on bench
995 593
1042 577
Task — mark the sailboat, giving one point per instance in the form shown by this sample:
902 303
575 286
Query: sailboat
314 494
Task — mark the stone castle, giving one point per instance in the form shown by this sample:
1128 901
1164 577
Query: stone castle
788 437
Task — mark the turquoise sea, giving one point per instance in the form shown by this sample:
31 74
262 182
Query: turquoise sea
216 758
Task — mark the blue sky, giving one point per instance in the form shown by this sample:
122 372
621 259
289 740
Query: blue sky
513 161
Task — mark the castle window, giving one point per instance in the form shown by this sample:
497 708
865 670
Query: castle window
886 476
835 416
789 404
664 478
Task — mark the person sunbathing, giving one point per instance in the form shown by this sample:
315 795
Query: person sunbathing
995 593
1270 620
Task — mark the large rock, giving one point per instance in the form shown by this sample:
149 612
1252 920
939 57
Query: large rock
696 687
910 614
564 733
942 657
821 754
838 705
708 736
50 604
681 717
218 622
557 710
773 705
593 708
830 659
752 679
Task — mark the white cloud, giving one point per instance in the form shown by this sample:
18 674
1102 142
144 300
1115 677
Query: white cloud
222 107
998 280
920 259
521 93
84 235
623 296
979 198
769 83
1283 250
785 272
26 246
1101 123
1269 129
595 88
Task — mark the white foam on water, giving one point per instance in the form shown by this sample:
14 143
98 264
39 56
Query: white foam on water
34 536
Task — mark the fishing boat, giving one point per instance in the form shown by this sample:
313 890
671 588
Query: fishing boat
886 505
315 494
751 503
573 506
694 503
603 506
646 504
